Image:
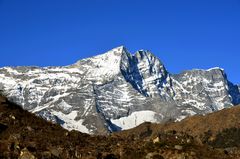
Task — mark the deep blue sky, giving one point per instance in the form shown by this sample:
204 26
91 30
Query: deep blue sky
184 34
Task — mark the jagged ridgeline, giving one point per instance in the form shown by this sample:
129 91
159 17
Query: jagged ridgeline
116 90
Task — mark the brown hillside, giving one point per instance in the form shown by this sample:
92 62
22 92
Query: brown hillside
196 125
25 136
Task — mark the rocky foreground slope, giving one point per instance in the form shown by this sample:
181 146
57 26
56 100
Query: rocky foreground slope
116 91
26 136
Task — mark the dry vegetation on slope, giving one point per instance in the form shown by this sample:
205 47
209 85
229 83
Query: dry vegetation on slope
197 125
23 135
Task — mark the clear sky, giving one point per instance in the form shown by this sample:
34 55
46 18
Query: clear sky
184 34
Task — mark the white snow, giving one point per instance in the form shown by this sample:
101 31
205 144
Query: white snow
135 119
107 64
190 112
87 106
12 71
195 103
49 104
210 69
64 105
215 68
180 86
7 81
70 123
181 118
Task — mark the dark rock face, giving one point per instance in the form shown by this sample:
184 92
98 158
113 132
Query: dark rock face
144 71
234 91
116 91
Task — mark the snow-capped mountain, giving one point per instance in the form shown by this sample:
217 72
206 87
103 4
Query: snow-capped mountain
116 91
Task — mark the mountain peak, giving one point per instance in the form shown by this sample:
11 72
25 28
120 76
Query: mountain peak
120 48
117 51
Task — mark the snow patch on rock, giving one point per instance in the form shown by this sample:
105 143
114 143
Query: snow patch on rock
70 123
135 119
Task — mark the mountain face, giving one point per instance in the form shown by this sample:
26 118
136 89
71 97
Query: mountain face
116 91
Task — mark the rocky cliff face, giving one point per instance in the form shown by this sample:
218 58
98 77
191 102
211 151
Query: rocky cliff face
115 91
